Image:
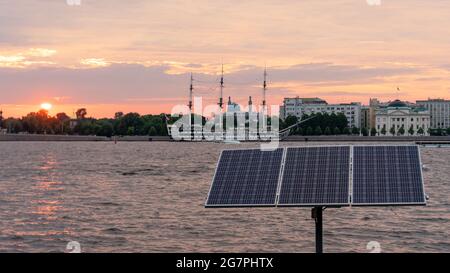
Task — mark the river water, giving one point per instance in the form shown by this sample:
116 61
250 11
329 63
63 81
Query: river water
148 197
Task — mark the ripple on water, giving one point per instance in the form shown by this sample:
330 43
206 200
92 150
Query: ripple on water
148 197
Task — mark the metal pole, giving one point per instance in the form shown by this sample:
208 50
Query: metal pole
317 216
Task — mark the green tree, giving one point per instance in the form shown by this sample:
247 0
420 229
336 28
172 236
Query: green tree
346 131
420 131
373 131
309 131
341 121
364 131
131 131
355 131
63 120
318 131
63 117
448 131
392 130
130 124
401 131
383 130
290 120
87 127
327 131
81 113
411 130
13 125
152 131
118 115
105 128
37 122
336 131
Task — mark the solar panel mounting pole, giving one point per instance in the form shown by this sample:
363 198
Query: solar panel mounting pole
316 214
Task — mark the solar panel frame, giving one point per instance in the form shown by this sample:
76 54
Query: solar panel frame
241 205
325 204
381 204
351 178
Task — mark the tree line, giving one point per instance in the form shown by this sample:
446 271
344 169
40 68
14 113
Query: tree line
41 122
337 124
321 124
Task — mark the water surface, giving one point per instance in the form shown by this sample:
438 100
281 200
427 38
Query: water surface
148 197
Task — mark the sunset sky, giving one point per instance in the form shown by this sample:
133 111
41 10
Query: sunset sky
136 55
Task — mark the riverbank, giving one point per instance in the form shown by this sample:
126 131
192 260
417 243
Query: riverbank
33 137
420 139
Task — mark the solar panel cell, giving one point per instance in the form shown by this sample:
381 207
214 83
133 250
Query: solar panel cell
246 178
316 176
387 175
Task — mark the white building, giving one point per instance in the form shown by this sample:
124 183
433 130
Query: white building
397 115
300 106
439 112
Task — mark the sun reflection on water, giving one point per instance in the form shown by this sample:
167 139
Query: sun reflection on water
46 199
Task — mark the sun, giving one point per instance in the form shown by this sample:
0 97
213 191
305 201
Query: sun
46 106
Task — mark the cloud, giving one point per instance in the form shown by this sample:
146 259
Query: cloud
95 62
353 94
326 72
11 61
121 82
40 52
32 56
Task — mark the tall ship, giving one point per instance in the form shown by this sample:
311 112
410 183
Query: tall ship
229 123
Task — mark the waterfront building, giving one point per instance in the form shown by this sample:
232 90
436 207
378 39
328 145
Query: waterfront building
365 117
439 112
300 106
374 104
401 118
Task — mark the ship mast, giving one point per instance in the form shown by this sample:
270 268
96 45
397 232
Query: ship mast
264 89
191 89
221 90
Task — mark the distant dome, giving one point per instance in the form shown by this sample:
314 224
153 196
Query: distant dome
397 103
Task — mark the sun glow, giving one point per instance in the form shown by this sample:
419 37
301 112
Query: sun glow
46 106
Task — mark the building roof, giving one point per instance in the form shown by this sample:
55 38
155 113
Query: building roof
433 100
309 100
397 103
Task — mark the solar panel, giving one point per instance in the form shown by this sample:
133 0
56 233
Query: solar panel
316 176
246 178
387 175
